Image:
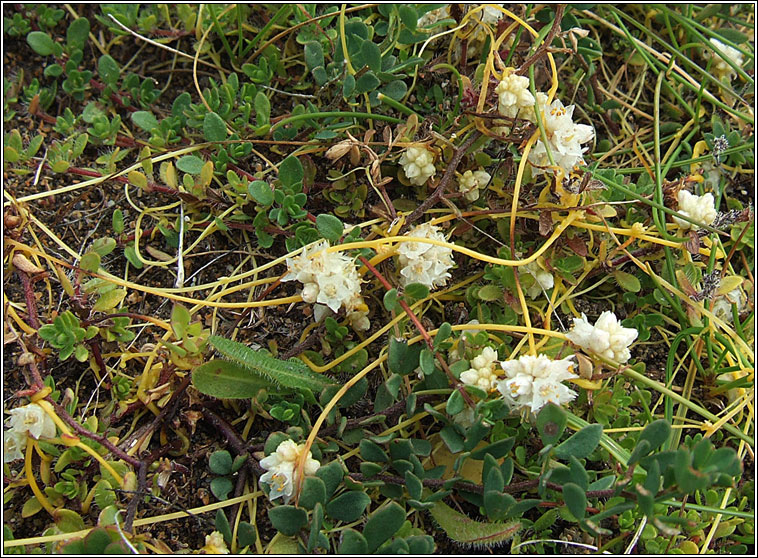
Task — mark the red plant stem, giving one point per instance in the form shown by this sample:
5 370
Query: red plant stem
31 301
422 330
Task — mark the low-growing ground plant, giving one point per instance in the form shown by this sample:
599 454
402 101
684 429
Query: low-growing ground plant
379 278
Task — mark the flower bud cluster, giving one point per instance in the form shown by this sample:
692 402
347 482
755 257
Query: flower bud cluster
721 67
418 164
471 182
699 208
606 338
483 373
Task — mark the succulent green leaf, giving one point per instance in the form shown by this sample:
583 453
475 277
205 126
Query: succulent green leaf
349 506
329 226
288 520
214 128
382 524
580 444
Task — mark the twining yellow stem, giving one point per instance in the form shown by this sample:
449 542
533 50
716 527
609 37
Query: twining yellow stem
41 498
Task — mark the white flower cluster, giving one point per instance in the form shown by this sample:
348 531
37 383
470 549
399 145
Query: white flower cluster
330 279
543 280
606 338
433 16
482 373
564 137
700 208
721 67
534 381
29 420
425 263
280 469
471 182
418 164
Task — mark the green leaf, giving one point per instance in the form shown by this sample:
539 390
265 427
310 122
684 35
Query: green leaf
262 109
96 541
313 492
389 301
289 373
314 55
40 42
246 535
367 82
332 475
551 422
191 164
426 361
408 16
104 246
109 300
580 444
180 319
402 358
68 521
464 530
371 55
348 507
576 499
443 333
490 293
76 34
261 192
352 543
414 485
732 35
108 70
416 291
221 487
90 261
227 380
288 520
371 451
145 120
382 524
291 171
455 403
497 449
329 226
214 128
220 462
627 281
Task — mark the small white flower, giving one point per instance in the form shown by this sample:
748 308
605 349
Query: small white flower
280 469
564 138
13 445
514 97
700 208
606 338
32 420
720 66
310 293
418 164
722 308
215 544
425 263
543 280
533 381
333 290
471 182
432 17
